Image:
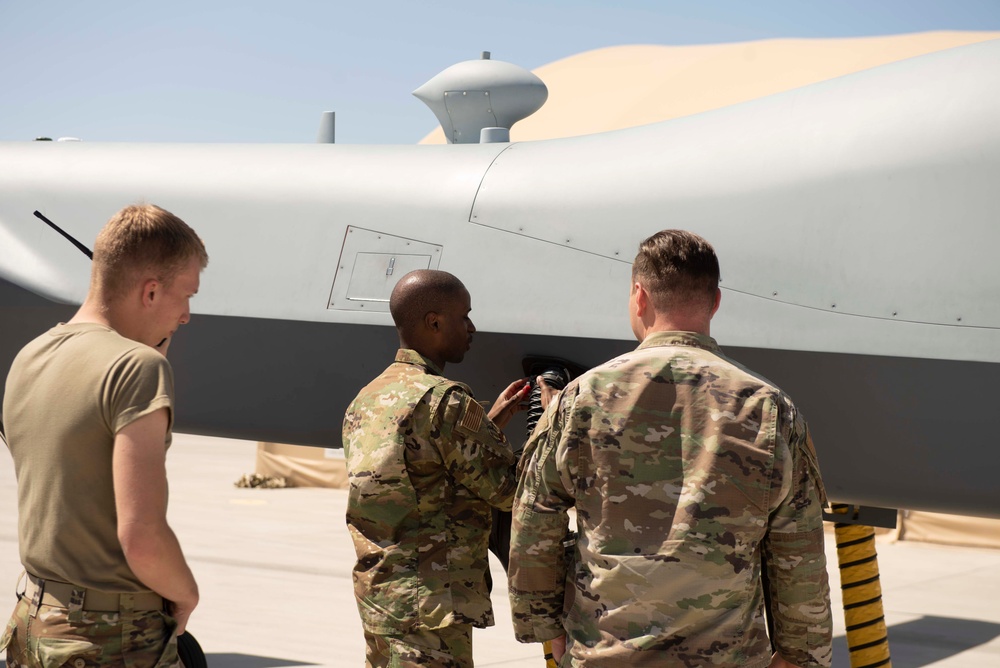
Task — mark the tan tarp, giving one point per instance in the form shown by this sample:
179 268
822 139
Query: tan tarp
302 466
949 529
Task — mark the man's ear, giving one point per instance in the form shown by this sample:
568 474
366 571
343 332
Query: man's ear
150 291
432 321
718 301
641 299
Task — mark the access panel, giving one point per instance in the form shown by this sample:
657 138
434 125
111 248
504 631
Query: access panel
370 265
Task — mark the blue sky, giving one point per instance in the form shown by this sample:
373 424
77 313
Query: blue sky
254 71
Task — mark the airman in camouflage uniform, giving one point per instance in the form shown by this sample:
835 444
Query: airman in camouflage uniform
425 463
684 468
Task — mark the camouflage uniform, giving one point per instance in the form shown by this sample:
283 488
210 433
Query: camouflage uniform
684 467
45 636
425 464
448 647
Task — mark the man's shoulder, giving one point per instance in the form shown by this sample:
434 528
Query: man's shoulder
712 367
128 357
737 377
405 383
138 352
97 347
750 378
738 371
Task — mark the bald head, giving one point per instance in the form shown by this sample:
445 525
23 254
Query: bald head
431 312
421 292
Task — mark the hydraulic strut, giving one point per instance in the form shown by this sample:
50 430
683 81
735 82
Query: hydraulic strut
556 377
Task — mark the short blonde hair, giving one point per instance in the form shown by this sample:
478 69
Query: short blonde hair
141 240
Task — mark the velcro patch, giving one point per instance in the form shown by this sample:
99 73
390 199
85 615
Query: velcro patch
472 417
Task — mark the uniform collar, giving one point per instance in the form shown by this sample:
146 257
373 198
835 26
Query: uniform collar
408 356
691 339
76 327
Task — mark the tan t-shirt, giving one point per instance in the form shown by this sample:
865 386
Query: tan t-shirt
68 393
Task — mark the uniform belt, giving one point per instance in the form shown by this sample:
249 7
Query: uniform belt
61 595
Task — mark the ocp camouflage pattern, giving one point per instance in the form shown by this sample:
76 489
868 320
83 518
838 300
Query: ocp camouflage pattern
683 467
92 640
424 464
449 647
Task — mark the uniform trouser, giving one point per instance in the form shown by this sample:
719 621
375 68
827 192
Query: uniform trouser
450 647
55 636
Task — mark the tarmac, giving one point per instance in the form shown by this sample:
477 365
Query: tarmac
274 568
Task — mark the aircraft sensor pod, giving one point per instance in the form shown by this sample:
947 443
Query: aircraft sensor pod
482 94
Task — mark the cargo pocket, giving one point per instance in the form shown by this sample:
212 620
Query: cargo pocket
56 652
9 643
400 618
403 655
8 635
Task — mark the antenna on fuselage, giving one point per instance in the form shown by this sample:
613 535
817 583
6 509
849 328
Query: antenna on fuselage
86 251
327 128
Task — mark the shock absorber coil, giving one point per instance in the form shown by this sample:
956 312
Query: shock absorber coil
556 377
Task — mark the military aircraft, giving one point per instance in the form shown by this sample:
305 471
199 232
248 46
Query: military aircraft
856 222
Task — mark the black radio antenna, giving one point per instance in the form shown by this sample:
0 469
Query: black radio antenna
86 251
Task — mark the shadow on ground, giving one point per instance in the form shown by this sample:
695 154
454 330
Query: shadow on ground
245 661
237 661
926 640
915 644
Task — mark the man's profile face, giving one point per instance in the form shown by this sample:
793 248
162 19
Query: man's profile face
172 306
456 328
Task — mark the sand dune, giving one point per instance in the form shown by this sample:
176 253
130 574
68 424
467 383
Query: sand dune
625 86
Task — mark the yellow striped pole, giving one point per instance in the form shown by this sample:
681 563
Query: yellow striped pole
867 637
550 661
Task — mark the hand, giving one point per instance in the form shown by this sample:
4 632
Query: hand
548 392
510 401
181 612
558 648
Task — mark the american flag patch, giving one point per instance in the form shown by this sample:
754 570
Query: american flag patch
472 418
